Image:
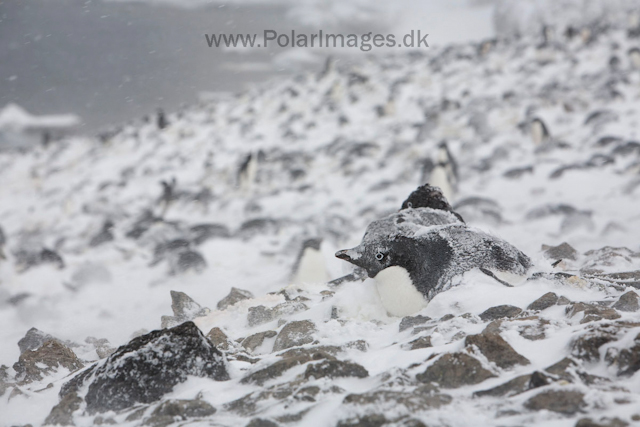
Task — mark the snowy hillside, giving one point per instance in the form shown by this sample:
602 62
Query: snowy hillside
223 195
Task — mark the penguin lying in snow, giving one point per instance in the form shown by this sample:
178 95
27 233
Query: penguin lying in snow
415 253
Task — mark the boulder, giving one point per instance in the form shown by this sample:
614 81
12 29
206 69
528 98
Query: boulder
34 365
566 402
294 334
500 312
455 370
147 368
235 295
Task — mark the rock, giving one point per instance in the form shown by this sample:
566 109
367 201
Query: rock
562 251
422 342
455 370
545 301
148 367
250 403
235 295
254 341
500 312
170 411
516 386
604 422
626 360
628 302
335 369
295 334
587 347
33 339
598 260
62 413
378 420
35 365
567 402
4 379
184 309
411 321
591 312
278 368
102 346
218 338
259 315
261 422
496 349
390 400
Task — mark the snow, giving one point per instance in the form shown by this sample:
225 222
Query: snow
332 165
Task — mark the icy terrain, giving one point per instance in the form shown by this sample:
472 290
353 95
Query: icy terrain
99 231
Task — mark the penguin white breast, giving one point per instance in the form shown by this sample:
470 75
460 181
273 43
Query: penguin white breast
397 293
312 268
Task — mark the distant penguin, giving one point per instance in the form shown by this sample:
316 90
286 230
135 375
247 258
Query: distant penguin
3 241
161 119
310 267
445 172
634 57
539 132
168 194
106 235
248 171
415 254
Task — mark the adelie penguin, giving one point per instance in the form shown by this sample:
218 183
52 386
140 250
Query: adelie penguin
416 253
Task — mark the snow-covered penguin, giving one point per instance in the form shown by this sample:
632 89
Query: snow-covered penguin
415 254
443 173
310 267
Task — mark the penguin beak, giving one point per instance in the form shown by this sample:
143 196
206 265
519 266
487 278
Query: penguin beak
343 254
351 255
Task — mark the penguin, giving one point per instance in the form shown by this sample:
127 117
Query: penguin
3 241
444 172
310 267
634 57
428 196
248 172
415 254
161 119
539 132
168 194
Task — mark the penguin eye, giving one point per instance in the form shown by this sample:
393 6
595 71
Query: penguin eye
380 256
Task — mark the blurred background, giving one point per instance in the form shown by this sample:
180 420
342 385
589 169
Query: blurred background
107 61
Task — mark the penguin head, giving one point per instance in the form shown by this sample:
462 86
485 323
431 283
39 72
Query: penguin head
374 257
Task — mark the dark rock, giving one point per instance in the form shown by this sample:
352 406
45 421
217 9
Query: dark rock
62 413
500 312
561 369
33 339
626 360
587 346
35 365
378 420
510 388
628 302
562 251
295 334
254 341
250 403
446 317
591 312
278 368
517 385
455 370
147 368
335 369
604 422
171 411
545 301
496 349
261 422
567 402
411 321
235 295
202 232
218 338
422 342
412 401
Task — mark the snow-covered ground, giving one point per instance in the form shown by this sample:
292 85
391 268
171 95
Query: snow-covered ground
85 222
